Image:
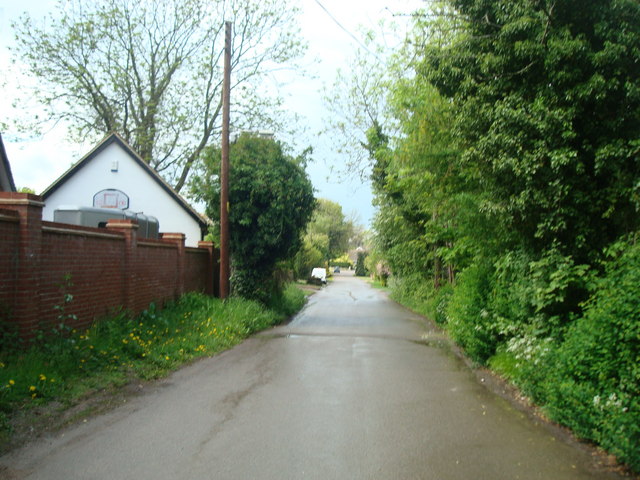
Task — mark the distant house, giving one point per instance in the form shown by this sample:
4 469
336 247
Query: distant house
113 176
6 179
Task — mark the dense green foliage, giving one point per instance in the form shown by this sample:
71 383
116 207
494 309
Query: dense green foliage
591 380
361 269
67 366
507 187
271 202
548 110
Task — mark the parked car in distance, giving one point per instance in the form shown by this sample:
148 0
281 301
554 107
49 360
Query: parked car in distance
319 276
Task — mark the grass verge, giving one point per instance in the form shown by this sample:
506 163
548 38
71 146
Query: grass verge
65 367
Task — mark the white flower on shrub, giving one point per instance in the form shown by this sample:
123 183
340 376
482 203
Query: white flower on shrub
613 402
529 348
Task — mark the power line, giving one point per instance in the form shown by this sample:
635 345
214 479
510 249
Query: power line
346 30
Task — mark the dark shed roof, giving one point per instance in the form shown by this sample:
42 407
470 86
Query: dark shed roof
6 178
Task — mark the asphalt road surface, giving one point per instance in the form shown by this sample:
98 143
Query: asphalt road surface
355 387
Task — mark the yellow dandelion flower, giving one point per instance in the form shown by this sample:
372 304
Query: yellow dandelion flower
166 357
12 382
32 388
42 378
34 395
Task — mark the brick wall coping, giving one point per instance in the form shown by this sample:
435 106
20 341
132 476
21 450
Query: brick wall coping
21 201
81 233
154 244
173 236
9 218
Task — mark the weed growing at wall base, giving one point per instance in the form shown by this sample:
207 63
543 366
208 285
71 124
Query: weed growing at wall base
119 349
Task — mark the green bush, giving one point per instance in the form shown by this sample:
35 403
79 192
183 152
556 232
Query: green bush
440 303
468 318
306 259
361 270
413 291
418 293
288 302
512 294
252 284
593 381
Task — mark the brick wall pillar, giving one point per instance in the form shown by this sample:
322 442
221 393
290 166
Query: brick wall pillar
26 308
130 230
212 281
178 239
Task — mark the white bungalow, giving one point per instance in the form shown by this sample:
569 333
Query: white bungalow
113 176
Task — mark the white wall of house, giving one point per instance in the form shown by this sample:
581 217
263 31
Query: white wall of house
114 168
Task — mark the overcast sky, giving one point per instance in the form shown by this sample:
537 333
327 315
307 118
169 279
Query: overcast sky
36 164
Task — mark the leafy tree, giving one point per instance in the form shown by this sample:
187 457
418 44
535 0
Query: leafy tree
422 189
549 115
151 70
328 230
306 259
271 201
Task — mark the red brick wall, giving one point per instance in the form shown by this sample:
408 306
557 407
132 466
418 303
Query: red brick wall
105 270
9 238
195 269
87 263
155 274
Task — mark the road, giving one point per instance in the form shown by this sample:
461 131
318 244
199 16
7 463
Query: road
355 387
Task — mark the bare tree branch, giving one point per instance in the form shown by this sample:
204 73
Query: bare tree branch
150 69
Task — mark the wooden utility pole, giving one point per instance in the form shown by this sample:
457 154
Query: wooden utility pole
224 168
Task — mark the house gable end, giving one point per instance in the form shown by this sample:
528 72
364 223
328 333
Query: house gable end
116 139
